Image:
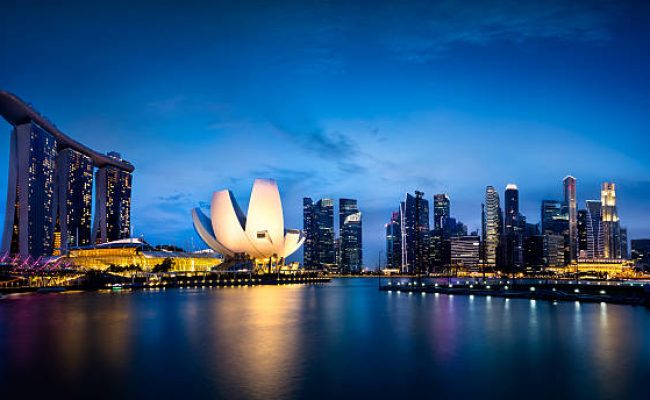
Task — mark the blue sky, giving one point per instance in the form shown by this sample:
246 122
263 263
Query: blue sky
344 99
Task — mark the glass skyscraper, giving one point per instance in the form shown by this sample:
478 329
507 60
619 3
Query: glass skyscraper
112 203
318 222
441 210
75 187
570 203
350 233
595 247
394 242
414 212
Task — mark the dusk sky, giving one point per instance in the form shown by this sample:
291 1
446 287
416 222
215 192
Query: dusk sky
335 99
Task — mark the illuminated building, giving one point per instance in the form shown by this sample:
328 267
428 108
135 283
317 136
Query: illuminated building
258 236
594 230
394 242
464 252
610 221
112 203
555 221
320 244
309 228
50 185
512 240
441 210
136 252
350 235
414 212
75 187
570 203
583 234
492 226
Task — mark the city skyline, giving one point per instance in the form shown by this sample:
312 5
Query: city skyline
529 105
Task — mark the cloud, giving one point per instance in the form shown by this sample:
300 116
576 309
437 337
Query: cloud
426 31
328 145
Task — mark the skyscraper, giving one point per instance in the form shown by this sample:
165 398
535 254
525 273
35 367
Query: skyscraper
50 187
571 203
112 220
31 209
394 242
441 210
74 186
492 225
415 233
350 233
309 255
595 246
512 241
583 235
610 221
625 253
318 222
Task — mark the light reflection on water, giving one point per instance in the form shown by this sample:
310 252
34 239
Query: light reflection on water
344 340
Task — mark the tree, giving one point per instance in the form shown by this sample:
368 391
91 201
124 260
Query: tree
165 266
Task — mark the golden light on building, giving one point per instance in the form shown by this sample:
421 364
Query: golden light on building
135 252
259 236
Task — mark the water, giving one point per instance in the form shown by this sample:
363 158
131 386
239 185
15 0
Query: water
341 340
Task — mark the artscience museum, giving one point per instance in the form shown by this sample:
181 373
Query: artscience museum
258 237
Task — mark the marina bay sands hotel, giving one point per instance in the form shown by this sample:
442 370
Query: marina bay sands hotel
50 188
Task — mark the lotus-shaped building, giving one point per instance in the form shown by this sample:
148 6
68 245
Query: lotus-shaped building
259 235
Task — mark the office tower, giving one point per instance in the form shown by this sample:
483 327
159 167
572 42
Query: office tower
595 246
511 200
583 235
415 233
464 252
436 243
74 198
394 242
555 221
610 221
112 220
441 210
570 203
30 209
534 252
554 251
641 253
350 234
309 227
318 222
492 226
625 254
511 244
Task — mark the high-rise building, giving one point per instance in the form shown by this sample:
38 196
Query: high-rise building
350 235
50 188
492 226
309 256
318 222
583 235
31 209
394 242
570 203
641 253
464 252
625 253
75 187
610 221
595 246
112 220
512 240
415 233
555 221
441 210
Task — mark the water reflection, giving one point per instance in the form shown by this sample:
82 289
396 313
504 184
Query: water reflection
343 340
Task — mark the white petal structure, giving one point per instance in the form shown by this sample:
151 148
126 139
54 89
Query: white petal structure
260 234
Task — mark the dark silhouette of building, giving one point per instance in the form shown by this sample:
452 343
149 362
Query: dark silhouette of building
441 210
318 222
394 242
350 229
583 234
415 233
570 202
641 253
